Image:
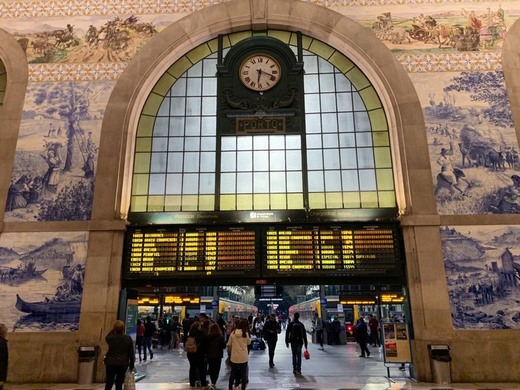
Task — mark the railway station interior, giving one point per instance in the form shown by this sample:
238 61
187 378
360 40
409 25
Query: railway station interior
331 157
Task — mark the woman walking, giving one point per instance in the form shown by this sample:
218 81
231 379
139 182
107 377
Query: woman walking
238 343
120 356
197 358
215 353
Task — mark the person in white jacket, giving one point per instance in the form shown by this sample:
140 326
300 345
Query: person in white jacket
238 347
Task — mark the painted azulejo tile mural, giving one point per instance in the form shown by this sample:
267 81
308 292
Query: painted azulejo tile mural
482 266
41 280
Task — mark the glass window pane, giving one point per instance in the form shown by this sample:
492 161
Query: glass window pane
228 161
209 105
324 66
293 142
195 70
193 106
207 161
179 88
350 180
362 121
191 184
261 161
328 102
294 160
160 127
208 143
228 143
365 158
364 139
210 66
158 162
342 83
174 184
277 182
332 181
313 123
311 83
358 102
312 103
331 159
228 183
348 158
314 141
191 143
159 144
175 161
209 87
315 181
164 109
347 140
330 123
277 161
344 101
245 143
346 122
261 182
311 64
260 142
177 106
367 180
327 83
193 126
193 87
191 162
207 183
209 126
314 159
330 141
176 126
245 161
277 142
157 182
176 144
244 183
294 182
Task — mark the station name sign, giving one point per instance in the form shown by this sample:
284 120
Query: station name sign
264 124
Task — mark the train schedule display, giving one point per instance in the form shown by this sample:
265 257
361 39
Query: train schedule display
182 252
338 250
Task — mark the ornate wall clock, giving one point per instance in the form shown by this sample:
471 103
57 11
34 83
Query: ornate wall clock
260 72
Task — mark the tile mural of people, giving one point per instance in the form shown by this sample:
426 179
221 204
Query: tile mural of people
56 154
41 280
482 266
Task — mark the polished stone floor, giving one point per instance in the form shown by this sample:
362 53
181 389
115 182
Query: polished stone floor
335 368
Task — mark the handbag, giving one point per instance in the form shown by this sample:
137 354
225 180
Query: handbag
129 383
306 354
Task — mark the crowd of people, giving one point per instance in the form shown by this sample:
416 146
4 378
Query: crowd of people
206 342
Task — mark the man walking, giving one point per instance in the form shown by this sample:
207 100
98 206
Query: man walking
318 327
271 331
296 335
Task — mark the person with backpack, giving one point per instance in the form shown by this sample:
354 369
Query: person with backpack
296 336
196 347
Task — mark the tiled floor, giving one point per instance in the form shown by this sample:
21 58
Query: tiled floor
335 368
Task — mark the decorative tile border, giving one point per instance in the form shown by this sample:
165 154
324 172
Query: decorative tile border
76 72
413 63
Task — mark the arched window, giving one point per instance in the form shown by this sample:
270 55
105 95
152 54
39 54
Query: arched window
341 160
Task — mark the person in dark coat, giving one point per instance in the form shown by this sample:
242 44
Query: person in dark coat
197 359
215 353
361 334
271 331
4 355
120 356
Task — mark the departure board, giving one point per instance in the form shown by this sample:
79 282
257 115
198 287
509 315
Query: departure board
181 252
335 250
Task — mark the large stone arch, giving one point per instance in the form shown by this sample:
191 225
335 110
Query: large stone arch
15 62
369 53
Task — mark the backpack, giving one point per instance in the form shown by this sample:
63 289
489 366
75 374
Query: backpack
296 335
191 345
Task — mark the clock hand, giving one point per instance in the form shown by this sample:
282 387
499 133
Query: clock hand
259 71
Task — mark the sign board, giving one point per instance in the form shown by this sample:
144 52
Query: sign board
396 343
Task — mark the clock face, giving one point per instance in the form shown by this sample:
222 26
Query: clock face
260 72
